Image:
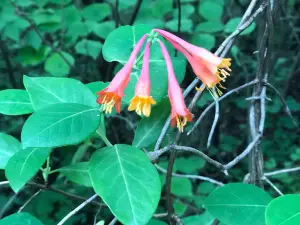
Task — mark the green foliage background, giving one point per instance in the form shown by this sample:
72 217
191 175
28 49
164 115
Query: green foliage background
61 39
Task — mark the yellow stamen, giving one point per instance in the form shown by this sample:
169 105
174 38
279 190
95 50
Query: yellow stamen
181 122
142 105
108 102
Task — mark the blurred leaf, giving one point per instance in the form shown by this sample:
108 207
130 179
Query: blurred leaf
203 40
284 210
8 147
186 25
45 91
203 219
30 57
149 128
103 29
32 39
181 187
135 186
210 26
23 165
59 66
189 165
88 48
156 222
96 11
210 10
78 173
238 204
232 24
20 218
66 124
15 102
206 187
179 207
186 11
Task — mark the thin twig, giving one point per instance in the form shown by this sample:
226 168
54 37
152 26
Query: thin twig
243 154
9 202
29 200
272 185
4 183
235 90
194 177
214 125
113 222
135 11
289 170
286 108
77 209
155 154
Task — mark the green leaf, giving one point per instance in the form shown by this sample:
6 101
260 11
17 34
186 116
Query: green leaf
186 25
32 39
103 29
29 56
20 218
8 147
96 11
179 207
15 102
57 65
207 41
206 187
203 219
156 222
189 165
97 86
210 26
23 165
89 48
284 210
124 38
78 173
181 187
127 182
45 91
210 10
238 204
186 11
60 125
232 24
148 128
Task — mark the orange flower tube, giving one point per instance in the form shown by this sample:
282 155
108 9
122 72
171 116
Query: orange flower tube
179 112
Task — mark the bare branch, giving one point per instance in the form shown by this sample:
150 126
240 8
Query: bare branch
4 183
289 170
113 222
194 177
272 185
77 209
286 108
29 200
214 125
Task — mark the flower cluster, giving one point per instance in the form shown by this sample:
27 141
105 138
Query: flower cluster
209 68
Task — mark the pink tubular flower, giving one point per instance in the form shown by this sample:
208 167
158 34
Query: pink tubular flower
112 95
142 100
208 67
179 112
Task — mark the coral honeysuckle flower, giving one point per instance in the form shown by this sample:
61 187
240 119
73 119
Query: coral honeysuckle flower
142 101
112 95
179 113
210 68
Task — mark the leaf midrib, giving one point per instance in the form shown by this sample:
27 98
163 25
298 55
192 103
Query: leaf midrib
65 118
126 184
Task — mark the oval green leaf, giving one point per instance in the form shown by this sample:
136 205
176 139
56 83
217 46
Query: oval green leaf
149 128
45 91
60 125
77 173
15 102
88 48
8 147
23 165
203 219
59 66
284 210
127 182
20 218
96 11
210 10
238 204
